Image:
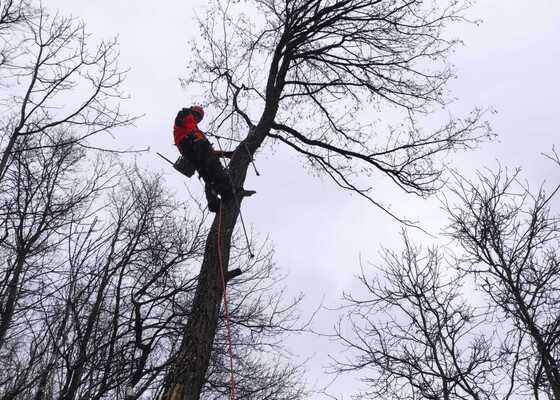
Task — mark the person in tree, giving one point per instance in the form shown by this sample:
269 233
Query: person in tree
197 150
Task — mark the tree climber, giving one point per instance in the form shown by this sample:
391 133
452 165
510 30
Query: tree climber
197 154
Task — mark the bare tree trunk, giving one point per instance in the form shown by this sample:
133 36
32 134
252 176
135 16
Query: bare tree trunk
186 379
548 363
8 306
6 154
188 376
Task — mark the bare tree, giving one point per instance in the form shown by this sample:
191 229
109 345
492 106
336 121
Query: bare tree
52 77
511 240
12 14
44 194
411 335
46 104
40 198
100 282
298 72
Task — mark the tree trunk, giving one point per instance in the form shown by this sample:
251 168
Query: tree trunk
187 377
9 305
4 160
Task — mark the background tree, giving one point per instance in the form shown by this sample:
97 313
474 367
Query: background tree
510 238
105 285
412 334
300 73
48 111
12 14
53 77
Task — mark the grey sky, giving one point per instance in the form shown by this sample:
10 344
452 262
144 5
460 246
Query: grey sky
510 62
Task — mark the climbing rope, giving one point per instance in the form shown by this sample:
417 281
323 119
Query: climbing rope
233 393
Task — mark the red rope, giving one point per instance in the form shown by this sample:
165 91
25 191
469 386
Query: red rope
233 394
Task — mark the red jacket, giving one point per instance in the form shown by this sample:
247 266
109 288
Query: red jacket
185 125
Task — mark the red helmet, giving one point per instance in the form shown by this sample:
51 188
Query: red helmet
199 112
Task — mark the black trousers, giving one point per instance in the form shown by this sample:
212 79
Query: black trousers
209 167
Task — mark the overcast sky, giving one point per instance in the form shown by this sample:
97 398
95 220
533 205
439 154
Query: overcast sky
510 62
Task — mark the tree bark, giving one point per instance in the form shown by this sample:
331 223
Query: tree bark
187 377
